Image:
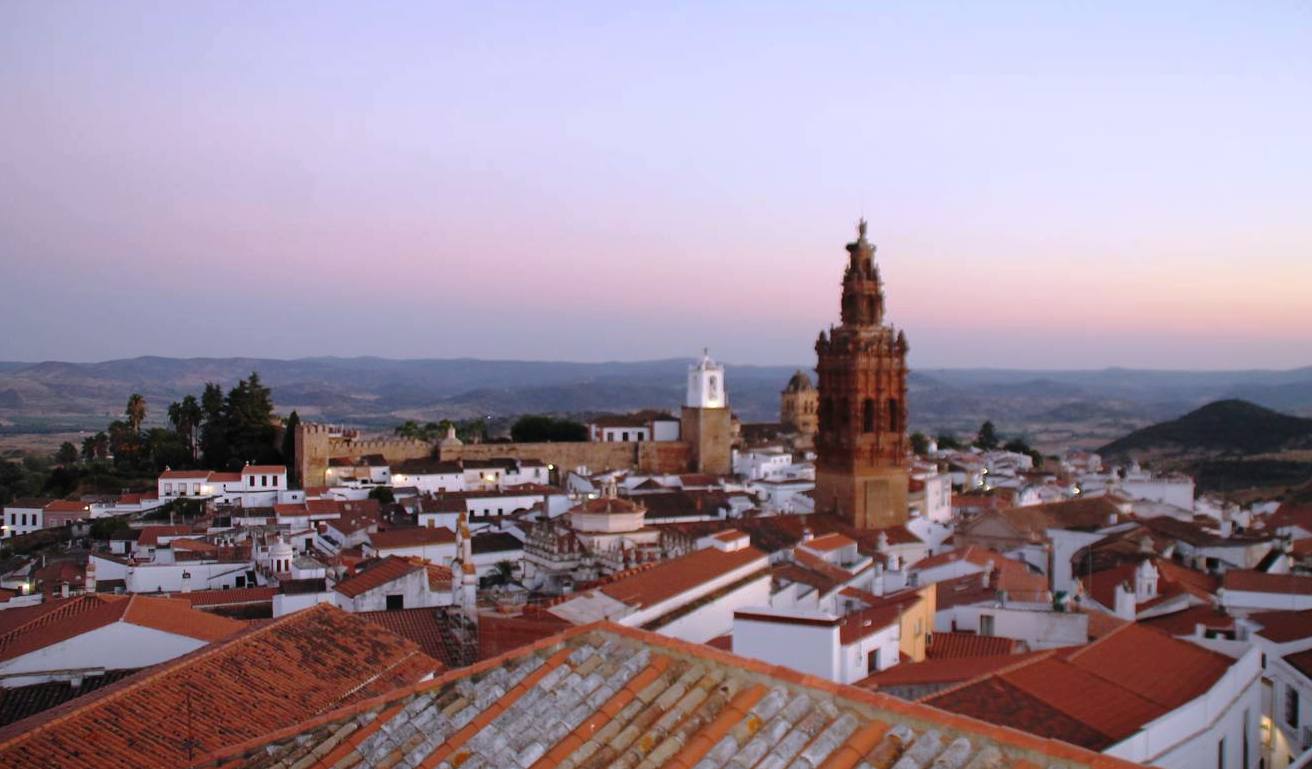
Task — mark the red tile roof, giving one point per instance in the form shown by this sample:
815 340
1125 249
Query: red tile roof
376 575
66 619
67 506
150 535
1184 623
1261 582
945 645
680 575
263 469
1284 626
241 595
413 536
943 670
642 716
262 680
1111 687
422 626
827 542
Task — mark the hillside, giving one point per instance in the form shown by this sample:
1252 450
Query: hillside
1229 427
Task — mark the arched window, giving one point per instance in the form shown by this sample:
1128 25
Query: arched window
894 416
844 413
868 416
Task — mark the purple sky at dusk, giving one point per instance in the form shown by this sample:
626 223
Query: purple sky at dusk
1049 185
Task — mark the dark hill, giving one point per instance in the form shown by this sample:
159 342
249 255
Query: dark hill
1225 427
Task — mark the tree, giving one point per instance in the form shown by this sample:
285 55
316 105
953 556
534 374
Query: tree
1019 446
186 416
383 494
947 441
95 447
213 432
67 454
987 438
538 428
135 412
919 443
251 428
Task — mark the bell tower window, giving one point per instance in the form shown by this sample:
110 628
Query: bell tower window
868 416
894 412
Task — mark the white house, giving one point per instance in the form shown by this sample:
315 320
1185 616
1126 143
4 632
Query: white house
395 583
692 598
95 633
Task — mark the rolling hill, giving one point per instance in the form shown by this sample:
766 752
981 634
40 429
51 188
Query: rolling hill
1228 427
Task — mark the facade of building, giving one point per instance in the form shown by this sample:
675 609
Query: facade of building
861 447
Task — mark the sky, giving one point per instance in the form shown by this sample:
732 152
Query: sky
1049 185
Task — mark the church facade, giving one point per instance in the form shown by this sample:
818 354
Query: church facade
861 445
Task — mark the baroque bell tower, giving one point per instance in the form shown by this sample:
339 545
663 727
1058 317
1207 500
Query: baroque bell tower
861 447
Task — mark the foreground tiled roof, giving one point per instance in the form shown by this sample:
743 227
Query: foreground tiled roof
66 619
265 679
608 696
1095 695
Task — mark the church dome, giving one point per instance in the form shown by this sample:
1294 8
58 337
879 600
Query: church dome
799 382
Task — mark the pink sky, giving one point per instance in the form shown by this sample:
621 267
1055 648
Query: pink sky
1048 187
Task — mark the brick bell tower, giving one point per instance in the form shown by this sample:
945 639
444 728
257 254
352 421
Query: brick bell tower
861 446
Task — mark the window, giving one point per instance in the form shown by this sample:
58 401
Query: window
264 480
986 624
168 488
624 437
872 662
252 482
1244 726
395 602
868 416
1291 706
894 416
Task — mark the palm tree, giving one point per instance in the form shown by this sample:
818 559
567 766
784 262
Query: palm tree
136 412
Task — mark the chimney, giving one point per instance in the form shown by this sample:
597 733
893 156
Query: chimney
877 587
186 582
807 536
63 590
1145 581
90 583
1125 608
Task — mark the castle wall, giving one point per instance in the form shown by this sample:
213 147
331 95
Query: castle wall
316 444
646 456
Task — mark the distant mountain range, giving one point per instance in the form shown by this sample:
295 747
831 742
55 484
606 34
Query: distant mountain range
376 393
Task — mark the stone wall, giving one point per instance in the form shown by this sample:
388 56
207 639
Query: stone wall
646 456
316 444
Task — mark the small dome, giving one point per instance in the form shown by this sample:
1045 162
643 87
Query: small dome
800 382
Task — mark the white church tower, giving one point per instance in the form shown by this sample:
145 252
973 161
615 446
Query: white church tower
706 384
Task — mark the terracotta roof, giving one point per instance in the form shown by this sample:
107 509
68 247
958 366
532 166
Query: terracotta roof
265 679
945 645
422 626
1184 623
412 537
150 535
623 697
263 469
1110 688
19 702
73 617
1009 574
1301 661
943 670
171 475
607 505
67 506
1284 626
1172 580
679 575
231 597
828 542
1261 582
375 576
